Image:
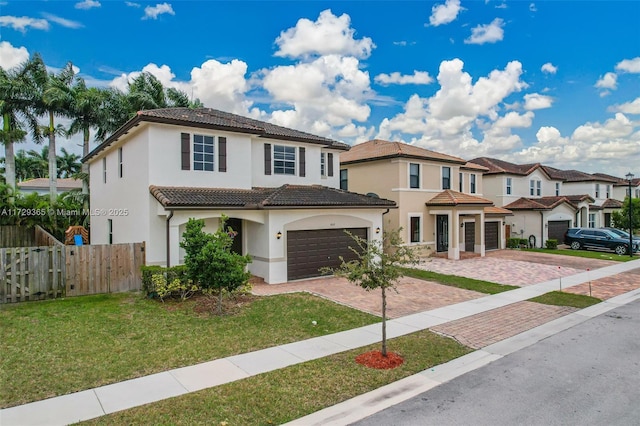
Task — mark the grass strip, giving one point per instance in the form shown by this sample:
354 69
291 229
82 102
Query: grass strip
559 298
293 392
465 283
585 253
56 347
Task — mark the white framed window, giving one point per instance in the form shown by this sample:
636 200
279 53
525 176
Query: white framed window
532 187
284 160
446 178
608 194
597 190
557 189
472 183
415 229
461 182
104 169
203 151
323 164
592 220
538 188
509 183
414 175
110 230
344 179
120 162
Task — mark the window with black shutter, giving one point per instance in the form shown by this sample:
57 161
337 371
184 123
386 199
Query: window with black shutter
303 162
222 154
329 164
267 158
186 151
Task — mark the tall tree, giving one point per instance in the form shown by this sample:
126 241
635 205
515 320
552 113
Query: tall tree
37 163
54 100
16 90
68 164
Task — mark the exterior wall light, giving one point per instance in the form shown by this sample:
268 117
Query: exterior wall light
378 230
279 235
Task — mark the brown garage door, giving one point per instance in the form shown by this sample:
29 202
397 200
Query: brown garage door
491 235
308 251
557 228
469 236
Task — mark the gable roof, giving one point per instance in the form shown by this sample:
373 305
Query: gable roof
208 118
575 175
286 196
449 197
619 181
496 166
547 203
378 149
612 203
497 211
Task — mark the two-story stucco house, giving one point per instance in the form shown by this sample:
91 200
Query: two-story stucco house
439 196
278 186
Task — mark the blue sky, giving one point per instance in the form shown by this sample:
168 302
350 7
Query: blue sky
556 82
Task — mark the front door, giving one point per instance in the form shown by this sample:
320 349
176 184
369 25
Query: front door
236 226
442 233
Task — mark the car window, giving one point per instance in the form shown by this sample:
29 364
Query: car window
600 233
587 232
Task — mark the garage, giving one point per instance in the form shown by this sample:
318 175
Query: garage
557 229
491 235
469 236
308 251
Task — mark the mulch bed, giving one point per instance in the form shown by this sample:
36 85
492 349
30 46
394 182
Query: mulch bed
375 359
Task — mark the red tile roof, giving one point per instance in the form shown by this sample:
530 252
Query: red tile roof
449 197
547 203
496 166
611 203
379 149
497 211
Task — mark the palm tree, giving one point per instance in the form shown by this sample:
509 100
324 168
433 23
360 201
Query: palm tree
37 163
24 166
54 99
16 90
68 164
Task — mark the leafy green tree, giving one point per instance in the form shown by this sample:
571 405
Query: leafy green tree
210 261
378 265
621 218
37 163
68 164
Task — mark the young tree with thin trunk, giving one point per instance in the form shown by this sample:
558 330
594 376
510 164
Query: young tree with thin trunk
378 265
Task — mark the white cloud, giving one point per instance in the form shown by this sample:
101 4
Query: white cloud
549 68
537 101
22 23
444 13
132 4
532 7
632 107
418 77
87 4
608 81
12 56
329 35
629 65
152 12
489 33
67 23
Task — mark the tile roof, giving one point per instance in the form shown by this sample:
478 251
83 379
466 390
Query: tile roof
286 196
496 166
497 211
209 118
449 197
547 203
378 149
575 175
43 183
611 203
473 166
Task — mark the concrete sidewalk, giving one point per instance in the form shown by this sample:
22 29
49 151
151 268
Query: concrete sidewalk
97 402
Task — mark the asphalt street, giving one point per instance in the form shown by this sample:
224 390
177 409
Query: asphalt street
586 375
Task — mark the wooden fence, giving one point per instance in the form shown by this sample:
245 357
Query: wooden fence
17 236
35 273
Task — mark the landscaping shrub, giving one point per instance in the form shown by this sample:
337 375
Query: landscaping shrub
157 279
517 242
552 244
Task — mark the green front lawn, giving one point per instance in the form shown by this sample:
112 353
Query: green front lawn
283 395
61 346
590 254
560 298
480 286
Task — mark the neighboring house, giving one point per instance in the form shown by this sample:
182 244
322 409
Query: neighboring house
621 186
278 186
41 185
439 197
547 201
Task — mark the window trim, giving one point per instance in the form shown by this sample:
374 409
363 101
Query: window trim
557 189
203 162
461 183
473 183
284 160
110 230
120 169
323 164
413 231
591 223
344 179
597 190
416 176
442 177
104 169
509 184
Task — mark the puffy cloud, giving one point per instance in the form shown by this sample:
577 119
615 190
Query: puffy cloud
532 7
444 13
132 4
632 107
549 68
22 23
152 12
87 4
489 33
418 77
537 101
67 23
629 65
12 56
608 81
328 35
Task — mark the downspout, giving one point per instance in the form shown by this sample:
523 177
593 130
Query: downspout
541 229
383 220
169 238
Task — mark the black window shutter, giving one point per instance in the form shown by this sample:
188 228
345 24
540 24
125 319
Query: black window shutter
330 164
267 158
186 151
303 162
222 154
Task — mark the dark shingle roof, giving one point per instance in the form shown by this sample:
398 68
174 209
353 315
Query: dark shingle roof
496 166
219 120
286 196
575 175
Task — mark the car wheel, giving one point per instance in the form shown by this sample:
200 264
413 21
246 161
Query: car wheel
575 245
621 250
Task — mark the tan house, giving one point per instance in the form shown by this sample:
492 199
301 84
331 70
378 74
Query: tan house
439 196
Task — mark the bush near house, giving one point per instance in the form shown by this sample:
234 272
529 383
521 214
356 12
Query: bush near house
517 242
551 244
